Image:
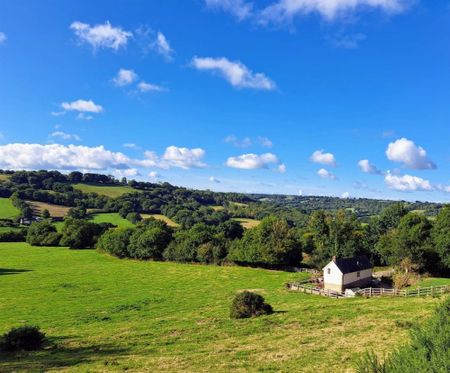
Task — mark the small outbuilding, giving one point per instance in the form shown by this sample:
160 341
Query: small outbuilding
347 273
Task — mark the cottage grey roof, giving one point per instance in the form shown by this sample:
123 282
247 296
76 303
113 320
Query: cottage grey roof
349 265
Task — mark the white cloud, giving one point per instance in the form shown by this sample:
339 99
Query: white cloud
3 37
84 106
125 77
325 174
101 36
65 136
254 161
236 73
153 175
57 113
323 158
345 195
84 116
130 145
265 142
56 156
407 183
162 46
412 156
347 41
213 179
148 87
183 157
285 10
238 143
130 172
368 168
239 8
300 192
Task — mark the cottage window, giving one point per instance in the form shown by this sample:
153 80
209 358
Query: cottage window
329 270
358 274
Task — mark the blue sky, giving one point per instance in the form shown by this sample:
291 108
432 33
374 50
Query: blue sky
339 97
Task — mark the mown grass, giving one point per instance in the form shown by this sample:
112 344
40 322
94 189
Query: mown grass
164 218
431 281
4 177
7 210
106 314
112 191
113 218
56 211
247 223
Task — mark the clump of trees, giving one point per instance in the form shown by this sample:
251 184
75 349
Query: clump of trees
428 350
23 338
248 304
43 233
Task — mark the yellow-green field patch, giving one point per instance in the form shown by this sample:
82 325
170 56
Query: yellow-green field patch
247 223
112 191
7 210
56 211
113 218
164 218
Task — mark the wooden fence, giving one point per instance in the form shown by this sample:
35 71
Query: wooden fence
418 292
308 288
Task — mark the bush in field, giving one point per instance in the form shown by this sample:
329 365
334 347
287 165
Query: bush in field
149 243
13 236
248 304
43 233
115 242
427 352
23 338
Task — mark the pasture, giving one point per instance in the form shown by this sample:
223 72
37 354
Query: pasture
4 177
247 222
164 218
56 211
7 210
112 191
106 314
113 218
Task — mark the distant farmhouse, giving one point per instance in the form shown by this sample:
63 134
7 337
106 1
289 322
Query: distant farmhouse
347 273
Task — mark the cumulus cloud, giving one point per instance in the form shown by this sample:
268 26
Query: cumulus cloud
101 36
65 136
253 161
407 183
368 168
130 145
345 195
409 154
2 37
56 156
84 106
162 46
184 158
285 10
236 73
239 8
239 143
130 172
319 156
125 77
213 179
148 87
325 174
153 175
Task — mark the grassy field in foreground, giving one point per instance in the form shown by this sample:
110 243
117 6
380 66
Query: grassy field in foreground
113 191
7 210
247 223
107 314
56 211
113 218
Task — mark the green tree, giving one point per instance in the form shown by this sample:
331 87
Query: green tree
43 233
149 243
441 236
115 242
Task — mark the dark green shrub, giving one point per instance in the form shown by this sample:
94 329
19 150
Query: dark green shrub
134 217
13 236
149 243
115 242
22 338
43 233
248 304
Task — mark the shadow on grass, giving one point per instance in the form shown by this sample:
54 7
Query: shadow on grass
12 271
58 355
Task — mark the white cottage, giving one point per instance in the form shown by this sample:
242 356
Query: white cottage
345 273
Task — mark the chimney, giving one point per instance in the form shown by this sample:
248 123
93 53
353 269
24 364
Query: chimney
334 258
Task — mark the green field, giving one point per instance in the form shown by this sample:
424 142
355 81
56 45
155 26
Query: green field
164 218
432 281
4 177
113 218
7 210
8 229
113 191
106 314
247 223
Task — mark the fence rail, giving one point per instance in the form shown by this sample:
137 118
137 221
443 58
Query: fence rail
418 292
308 288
